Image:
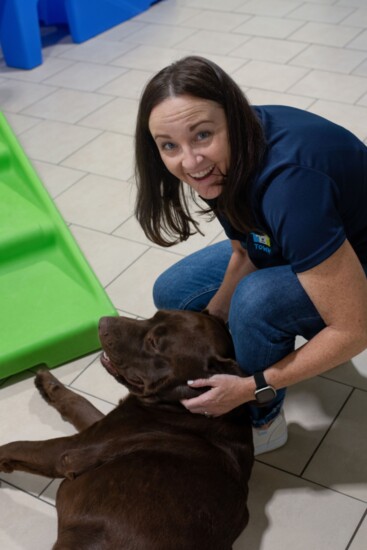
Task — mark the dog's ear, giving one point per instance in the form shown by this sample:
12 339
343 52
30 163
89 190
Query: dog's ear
223 365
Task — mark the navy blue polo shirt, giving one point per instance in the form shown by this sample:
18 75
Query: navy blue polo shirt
310 193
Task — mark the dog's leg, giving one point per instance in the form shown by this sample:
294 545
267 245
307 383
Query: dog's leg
37 457
74 408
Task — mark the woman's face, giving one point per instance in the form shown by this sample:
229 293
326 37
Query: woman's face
192 138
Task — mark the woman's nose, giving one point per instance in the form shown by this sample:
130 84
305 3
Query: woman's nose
190 159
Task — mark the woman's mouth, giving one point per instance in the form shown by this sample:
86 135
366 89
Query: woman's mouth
203 174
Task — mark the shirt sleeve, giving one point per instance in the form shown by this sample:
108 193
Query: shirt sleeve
301 209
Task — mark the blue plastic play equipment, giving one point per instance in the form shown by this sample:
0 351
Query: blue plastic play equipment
50 299
20 35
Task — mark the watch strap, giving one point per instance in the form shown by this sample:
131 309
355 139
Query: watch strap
260 380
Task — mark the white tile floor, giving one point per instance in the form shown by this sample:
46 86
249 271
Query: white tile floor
74 116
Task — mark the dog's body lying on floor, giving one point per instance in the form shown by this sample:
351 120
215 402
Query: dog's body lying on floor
150 475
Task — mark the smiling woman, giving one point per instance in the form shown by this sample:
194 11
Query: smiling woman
290 190
193 90
192 138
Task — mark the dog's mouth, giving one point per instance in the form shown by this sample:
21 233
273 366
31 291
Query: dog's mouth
108 365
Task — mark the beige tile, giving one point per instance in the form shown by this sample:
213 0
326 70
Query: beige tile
269 49
15 95
97 51
148 58
56 178
131 230
349 116
276 8
95 380
68 372
309 11
230 64
361 70
129 85
329 59
220 43
67 105
270 76
108 255
160 35
358 18
360 42
21 123
52 141
272 27
287 512
50 492
330 86
310 409
48 68
359 542
25 522
109 155
92 203
328 35
119 115
340 463
355 3
120 32
132 291
84 76
169 14
267 97
230 5
353 373
216 21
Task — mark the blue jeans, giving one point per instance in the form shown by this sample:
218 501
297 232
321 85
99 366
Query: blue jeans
269 308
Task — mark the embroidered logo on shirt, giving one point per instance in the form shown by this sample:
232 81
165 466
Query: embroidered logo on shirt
261 242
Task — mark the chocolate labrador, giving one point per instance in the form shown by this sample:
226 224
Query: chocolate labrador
150 475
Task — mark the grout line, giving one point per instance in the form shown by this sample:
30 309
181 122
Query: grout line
325 435
356 531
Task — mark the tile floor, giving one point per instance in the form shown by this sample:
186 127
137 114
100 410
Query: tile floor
74 116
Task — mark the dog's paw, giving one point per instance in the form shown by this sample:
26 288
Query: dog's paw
6 466
47 385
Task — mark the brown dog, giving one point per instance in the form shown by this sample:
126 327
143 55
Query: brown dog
150 475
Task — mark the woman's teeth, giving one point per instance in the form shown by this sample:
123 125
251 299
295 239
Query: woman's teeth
203 173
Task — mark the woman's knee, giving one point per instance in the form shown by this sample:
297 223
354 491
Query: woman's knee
274 299
164 292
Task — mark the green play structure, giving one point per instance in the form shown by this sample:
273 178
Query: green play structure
50 299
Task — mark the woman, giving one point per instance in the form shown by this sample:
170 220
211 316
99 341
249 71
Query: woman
290 190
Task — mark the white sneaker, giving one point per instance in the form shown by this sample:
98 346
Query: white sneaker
271 438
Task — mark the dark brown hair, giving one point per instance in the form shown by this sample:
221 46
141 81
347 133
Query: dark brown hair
161 207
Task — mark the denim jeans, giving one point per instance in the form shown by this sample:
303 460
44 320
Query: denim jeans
269 308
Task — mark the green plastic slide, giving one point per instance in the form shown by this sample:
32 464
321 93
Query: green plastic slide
50 299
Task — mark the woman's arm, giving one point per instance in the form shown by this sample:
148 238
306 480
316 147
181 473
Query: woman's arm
238 267
338 289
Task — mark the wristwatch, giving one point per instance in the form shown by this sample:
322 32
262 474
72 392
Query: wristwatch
264 393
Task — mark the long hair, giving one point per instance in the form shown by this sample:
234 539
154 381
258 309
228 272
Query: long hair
161 206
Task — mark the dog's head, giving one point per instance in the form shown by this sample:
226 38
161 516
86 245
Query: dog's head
155 358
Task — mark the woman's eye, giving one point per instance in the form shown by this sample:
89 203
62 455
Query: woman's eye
203 135
168 146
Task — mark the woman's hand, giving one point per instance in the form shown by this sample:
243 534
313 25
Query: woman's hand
227 392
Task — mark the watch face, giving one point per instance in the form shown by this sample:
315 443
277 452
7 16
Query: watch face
265 395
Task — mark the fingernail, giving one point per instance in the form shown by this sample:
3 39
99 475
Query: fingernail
190 381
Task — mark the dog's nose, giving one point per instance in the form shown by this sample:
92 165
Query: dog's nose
103 324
